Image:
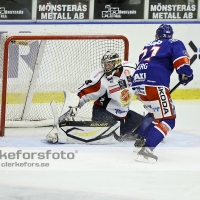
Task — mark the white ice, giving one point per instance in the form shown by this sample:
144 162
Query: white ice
107 172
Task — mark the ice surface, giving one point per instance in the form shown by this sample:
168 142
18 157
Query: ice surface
107 172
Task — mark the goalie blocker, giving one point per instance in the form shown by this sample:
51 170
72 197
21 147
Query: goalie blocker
93 132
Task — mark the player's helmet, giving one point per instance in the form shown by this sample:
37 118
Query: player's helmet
164 32
110 63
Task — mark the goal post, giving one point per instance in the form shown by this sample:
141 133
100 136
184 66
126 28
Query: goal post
36 68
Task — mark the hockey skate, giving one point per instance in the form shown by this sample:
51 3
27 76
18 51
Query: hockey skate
139 143
146 155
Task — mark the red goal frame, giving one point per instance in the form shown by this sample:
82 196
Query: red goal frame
44 37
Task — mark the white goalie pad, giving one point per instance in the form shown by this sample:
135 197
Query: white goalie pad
90 132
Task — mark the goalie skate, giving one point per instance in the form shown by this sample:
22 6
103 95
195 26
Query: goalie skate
145 155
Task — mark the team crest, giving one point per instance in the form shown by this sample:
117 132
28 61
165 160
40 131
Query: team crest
125 97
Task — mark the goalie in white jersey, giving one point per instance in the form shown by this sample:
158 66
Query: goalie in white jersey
110 88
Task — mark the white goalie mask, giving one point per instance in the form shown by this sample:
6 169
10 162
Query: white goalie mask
110 63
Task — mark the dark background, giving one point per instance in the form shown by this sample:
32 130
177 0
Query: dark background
137 5
174 2
64 2
25 5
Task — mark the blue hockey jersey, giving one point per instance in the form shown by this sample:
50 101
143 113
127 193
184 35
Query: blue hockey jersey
158 60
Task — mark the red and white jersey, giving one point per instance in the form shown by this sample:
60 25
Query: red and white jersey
116 95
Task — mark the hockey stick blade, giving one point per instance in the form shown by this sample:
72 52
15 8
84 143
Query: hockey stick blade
55 112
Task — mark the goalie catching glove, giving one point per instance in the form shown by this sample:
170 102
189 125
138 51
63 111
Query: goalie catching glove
70 114
185 79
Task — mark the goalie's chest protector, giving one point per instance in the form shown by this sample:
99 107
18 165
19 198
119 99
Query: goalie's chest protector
119 92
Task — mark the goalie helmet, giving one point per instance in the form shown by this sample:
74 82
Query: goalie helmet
164 32
110 63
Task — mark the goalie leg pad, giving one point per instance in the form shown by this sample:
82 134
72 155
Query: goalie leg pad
91 132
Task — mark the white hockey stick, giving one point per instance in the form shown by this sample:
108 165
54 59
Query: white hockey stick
55 112
59 136
55 122
55 115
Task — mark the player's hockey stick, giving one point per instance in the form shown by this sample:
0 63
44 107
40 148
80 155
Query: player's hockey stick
174 88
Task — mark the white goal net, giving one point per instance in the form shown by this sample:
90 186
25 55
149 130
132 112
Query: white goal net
37 68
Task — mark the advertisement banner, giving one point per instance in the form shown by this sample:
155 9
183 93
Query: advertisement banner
170 9
119 9
15 9
62 9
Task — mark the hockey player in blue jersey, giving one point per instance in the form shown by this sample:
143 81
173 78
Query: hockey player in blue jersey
151 79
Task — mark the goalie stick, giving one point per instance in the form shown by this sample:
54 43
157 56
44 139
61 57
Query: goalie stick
55 122
55 113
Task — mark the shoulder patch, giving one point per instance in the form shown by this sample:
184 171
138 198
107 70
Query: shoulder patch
127 72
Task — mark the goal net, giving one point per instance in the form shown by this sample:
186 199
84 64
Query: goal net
36 69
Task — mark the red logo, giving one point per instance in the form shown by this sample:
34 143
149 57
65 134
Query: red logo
125 95
114 90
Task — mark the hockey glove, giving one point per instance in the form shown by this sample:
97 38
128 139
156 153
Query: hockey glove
185 79
69 115
73 111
